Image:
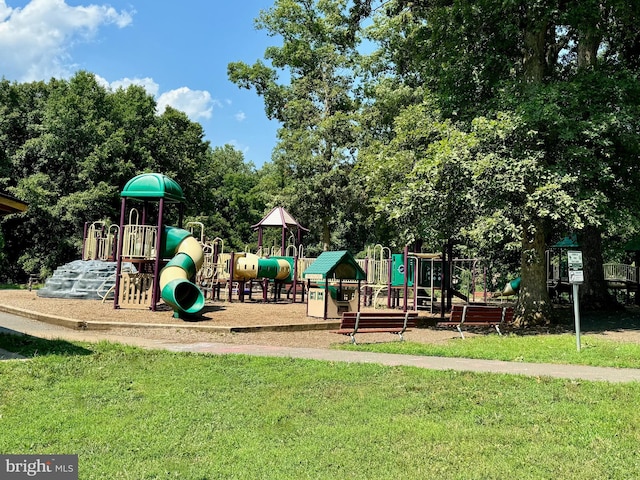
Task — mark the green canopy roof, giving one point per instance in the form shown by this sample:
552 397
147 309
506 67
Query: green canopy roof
153 185
570 241
340 265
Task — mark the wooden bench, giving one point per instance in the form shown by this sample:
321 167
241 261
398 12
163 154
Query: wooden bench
376 322
478 316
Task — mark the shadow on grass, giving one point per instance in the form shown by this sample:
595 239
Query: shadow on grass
627 318
30 347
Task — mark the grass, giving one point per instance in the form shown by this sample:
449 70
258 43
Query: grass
136 414
519 348
537 346
12 286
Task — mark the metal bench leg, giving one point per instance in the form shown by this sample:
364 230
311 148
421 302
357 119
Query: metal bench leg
498 330
460 330
353 339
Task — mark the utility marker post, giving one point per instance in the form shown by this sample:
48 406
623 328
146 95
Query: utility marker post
576 277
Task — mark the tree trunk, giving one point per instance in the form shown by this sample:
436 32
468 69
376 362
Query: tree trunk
636 261
326 235
593 292
534 305
589 39
588 50
534 61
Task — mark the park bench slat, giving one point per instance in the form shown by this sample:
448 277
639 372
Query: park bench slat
376 322
478 315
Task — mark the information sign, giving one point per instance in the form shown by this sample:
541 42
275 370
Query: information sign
576 272
576 277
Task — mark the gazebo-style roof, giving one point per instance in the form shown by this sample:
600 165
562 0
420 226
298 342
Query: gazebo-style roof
10 204
339 265
278 217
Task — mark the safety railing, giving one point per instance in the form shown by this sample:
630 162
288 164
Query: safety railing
619 272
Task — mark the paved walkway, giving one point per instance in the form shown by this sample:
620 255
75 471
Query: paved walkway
15 324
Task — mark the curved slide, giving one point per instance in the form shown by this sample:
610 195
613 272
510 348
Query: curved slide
511 288
176 289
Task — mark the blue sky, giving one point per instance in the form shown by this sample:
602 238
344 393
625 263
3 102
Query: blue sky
178 50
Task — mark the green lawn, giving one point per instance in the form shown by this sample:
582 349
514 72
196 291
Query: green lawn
135 414
535 345
542 348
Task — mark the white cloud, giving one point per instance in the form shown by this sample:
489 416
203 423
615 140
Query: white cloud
240 116
147 83
238 146
35 40
195 103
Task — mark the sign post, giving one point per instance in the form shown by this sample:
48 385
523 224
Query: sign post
576 277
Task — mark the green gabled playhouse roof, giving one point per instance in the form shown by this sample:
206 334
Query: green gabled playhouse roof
153 185
340 265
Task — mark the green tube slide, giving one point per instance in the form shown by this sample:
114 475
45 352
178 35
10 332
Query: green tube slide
512 287
268 268
176 289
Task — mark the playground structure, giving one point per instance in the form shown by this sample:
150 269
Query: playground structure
432 280
149 246
431 283
99 241
557 267
182 267
225 275
618 276
626 276
82 279
194 266
334 284
197 268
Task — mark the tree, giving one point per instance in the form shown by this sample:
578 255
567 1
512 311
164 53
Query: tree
420 178
316 106
177 148
228 198
498 70
68 147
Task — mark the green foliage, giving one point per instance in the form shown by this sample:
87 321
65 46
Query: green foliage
68 148
228 197
317 109
544 95
500 124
